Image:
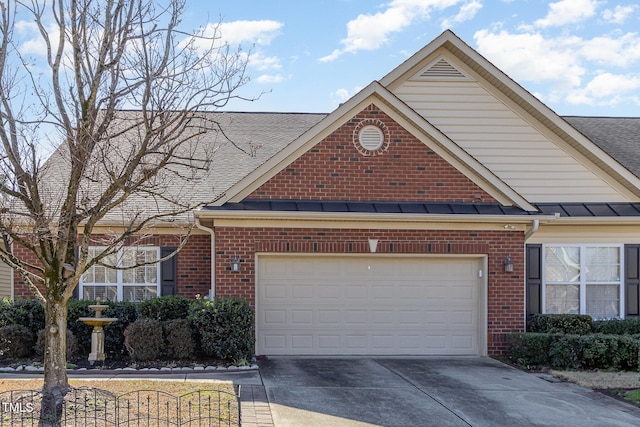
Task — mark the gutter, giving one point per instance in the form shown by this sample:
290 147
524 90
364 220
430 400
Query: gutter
362 216
534 227
211 231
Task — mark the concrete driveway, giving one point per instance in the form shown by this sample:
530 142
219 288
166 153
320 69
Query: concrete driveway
429 392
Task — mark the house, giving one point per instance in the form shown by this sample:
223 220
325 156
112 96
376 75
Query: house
430 214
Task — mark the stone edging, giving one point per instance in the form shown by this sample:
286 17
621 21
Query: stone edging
129 370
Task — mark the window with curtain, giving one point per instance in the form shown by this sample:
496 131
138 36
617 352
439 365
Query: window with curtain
583 279
131 284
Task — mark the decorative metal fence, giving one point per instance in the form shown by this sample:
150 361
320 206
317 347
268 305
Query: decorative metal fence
93 407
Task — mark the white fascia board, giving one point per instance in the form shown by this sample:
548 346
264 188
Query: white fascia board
600 220
370 217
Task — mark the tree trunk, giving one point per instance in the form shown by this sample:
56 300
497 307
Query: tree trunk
56 383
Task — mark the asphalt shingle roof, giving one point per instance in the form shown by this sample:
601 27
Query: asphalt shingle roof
249 139
617 136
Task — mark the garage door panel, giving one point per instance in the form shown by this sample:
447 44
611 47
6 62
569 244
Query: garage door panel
275 317
367 305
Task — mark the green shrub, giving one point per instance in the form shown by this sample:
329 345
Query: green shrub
591 351
565 352
529 349
629 353
165 308
126 313
178 338
26 312
16 342
82 332
599 351
225 328
575 324
143 339
71 344
629 326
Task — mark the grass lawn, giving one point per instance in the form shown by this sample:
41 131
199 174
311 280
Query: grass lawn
124 385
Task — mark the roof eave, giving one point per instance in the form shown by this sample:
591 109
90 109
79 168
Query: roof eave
370 217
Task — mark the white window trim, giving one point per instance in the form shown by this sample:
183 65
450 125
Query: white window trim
583 283
119 281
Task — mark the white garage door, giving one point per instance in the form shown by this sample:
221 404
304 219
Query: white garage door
370 305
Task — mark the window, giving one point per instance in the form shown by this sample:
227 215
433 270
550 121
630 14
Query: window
583 279
133 284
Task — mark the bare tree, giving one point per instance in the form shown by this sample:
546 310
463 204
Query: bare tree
124 94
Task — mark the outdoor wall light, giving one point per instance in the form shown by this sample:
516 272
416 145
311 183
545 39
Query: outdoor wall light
235 264
508 264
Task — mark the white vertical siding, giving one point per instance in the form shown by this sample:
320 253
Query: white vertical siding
524 158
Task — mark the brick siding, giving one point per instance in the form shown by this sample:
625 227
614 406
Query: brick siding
193 265
506 292
334 169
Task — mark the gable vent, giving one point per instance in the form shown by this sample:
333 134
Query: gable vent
371 138
442 70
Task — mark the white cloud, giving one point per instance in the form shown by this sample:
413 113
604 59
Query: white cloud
341 95
622 51
269 78
619 14
568 64
33 43
606 89
567 12
258 32
370 32
467 12
261 62
531 57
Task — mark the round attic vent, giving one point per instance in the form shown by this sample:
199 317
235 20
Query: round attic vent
371 137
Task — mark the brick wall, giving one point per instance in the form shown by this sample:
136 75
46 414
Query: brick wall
506 294
406 171
193 265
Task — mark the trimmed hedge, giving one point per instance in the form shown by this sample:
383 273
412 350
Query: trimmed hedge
571 351
143 339
629 326
16 341
225 328
165 308
178 338
221 329
26 312
578 324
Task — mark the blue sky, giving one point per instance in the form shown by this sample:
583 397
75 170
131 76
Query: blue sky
580 57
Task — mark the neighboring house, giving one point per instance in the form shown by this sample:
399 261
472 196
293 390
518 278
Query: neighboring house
427 215
6 283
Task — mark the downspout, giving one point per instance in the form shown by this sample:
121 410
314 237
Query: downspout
211 231
532 230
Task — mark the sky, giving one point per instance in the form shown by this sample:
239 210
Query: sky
579 57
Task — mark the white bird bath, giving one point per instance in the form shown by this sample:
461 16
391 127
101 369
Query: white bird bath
97 336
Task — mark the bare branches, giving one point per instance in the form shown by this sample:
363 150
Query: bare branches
126 96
